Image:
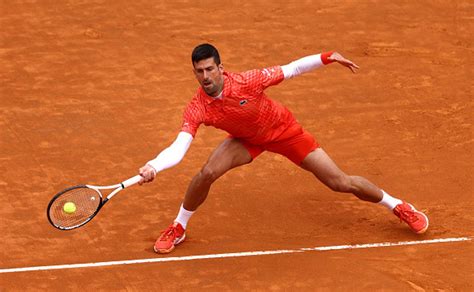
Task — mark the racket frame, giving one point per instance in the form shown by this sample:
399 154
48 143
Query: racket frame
117 188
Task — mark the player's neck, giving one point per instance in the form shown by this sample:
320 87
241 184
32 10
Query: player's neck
221 90
219 96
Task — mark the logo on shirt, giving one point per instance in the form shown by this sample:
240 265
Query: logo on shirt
242 102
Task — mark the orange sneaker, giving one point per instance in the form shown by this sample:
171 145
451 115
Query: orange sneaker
417 221
169 238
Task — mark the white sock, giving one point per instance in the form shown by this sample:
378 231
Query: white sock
183 216
389 201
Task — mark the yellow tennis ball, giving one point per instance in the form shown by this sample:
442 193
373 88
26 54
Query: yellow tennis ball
69 207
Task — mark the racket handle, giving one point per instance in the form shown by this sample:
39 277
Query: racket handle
131 181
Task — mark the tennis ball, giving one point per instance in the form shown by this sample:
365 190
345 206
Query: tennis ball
69 207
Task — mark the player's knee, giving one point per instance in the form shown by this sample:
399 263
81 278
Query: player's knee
208 174
340 184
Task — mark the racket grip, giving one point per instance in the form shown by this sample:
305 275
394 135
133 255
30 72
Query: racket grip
131 181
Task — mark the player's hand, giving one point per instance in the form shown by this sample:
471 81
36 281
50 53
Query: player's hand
336 57
148 174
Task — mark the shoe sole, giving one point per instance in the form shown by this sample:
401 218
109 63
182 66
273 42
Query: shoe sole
426 218
178 241
427 223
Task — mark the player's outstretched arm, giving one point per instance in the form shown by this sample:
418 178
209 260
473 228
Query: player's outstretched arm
167 158
312 62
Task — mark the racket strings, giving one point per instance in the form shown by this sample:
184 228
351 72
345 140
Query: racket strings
86 202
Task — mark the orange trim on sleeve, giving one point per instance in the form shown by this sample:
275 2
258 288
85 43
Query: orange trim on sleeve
324 57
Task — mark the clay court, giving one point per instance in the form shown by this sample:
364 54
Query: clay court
91 90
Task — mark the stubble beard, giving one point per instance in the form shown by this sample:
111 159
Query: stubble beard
213 90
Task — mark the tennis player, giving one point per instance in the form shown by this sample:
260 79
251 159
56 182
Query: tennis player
237 104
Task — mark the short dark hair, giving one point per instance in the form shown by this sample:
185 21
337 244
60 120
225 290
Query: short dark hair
205 51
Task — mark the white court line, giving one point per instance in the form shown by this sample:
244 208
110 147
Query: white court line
232 255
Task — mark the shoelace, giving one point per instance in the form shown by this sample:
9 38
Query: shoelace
408 215
167 233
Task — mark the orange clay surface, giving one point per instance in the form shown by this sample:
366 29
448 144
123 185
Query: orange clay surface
91 90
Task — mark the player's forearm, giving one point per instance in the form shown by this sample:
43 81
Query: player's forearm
173 154
305 64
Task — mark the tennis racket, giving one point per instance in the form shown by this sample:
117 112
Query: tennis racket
75 206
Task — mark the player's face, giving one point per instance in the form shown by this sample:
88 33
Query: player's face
209 75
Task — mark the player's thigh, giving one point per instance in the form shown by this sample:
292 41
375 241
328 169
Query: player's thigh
324 168
229 154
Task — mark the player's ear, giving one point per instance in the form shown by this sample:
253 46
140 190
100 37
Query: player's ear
221 67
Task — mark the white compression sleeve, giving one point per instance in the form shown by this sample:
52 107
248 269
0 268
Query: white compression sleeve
173 154
301 66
